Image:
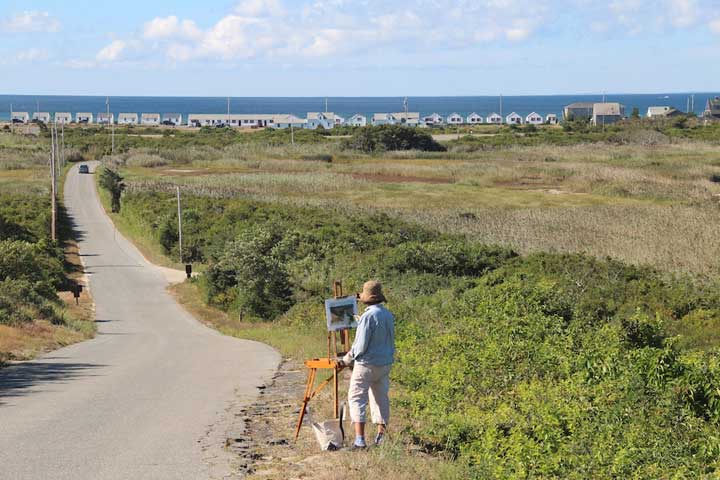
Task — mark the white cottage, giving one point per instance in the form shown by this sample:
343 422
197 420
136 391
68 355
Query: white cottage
128 119
474 119
434 119
455 119
84 117
104 118
285 121
63 117
551 119
150 119
494 119
357 120
43 117
20 117
514 119
409 119
339 121
172 119
534 119
317 120
383 119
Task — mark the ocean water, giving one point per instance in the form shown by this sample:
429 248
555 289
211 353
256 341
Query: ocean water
344 106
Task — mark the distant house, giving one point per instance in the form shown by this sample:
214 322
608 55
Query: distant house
712 109
105 118
434 119
84 117
317 120
128 119
455 119
474 119
514 119
607 113
534 119
150 119
382 119
43 117
663 112
287 121
20 117
551 119
409 119
357 120
494 119
174 119
578 111
63 117
339 121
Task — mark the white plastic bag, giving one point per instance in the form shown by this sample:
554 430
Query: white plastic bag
330 434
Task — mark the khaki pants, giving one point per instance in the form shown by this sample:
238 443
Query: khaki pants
370 382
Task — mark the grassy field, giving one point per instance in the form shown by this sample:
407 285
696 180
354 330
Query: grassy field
37 312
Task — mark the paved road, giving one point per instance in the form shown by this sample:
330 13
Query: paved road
151 397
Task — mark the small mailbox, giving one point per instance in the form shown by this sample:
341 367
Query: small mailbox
188 270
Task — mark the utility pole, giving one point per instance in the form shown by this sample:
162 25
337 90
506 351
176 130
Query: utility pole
228 111
53 187
292 134
326 105
112 127
62 137
179 208
692 103
12 120
502 119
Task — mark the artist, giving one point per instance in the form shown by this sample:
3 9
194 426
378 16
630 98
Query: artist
373 354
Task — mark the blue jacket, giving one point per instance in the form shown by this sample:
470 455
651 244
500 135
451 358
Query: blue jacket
375 337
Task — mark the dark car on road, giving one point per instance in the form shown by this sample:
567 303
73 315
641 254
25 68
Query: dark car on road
84 169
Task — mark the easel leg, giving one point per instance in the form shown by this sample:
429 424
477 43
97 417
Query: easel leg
306 399
335 394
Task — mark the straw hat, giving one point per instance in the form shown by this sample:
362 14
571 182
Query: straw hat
372 292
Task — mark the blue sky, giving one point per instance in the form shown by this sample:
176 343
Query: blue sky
358 47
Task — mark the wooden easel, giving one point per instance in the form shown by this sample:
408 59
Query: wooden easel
329 363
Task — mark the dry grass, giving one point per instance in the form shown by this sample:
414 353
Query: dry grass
651 205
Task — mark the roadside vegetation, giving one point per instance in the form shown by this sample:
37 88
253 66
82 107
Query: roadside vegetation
36 311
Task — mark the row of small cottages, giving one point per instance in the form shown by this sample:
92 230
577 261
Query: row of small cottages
314 120
148 119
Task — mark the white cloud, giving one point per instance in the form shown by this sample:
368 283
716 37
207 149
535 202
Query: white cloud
168 27
715 26
30 21
111 52
32 55
260 8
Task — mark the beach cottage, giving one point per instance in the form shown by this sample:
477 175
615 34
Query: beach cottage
382 119
434 119
63 117
607 113
514 119
150 119
84 117
551 119
534 119
663 112
128 119
455 119
104 118
494 119
474 119
339 121
578 111
43 117
172 119
712 108
284 121
357 120
409 119
317 120
20 117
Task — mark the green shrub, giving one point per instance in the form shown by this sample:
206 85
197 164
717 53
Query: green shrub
393 137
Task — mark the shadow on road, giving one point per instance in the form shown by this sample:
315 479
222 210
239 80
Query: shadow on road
15 380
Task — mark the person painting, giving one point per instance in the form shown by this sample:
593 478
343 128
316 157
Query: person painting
373 353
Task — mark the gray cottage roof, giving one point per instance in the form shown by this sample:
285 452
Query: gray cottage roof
607 109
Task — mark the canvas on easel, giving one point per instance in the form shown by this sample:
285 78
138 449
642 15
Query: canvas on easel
340 313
